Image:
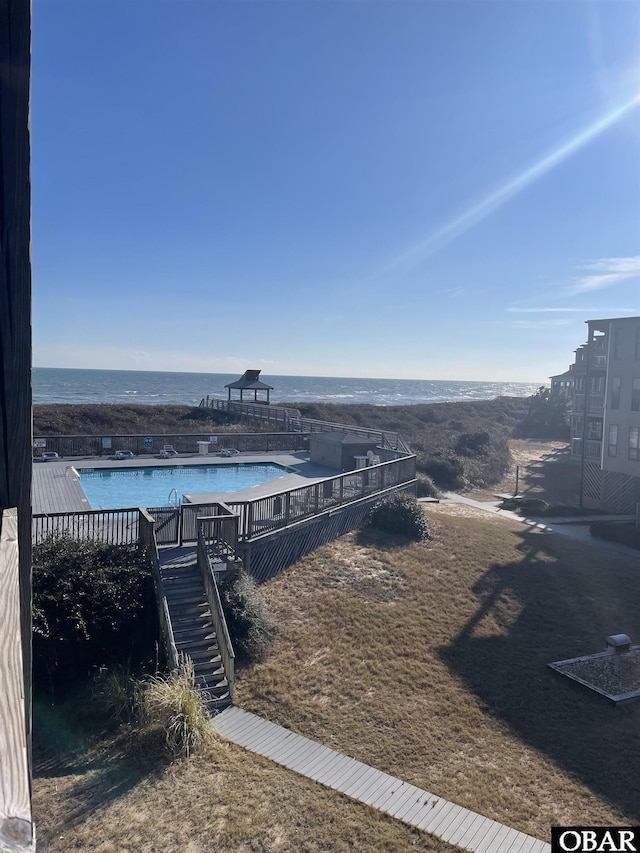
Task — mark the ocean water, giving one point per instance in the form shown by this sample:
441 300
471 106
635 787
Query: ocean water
62 385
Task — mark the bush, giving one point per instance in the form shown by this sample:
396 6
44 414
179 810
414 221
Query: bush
445 471
426 487
176 710
399 513
472 443
536 506
250 623
92 605
620 532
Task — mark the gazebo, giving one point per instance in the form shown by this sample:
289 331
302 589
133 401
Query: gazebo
250 381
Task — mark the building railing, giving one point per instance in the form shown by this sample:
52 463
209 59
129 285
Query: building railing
16 824
592 449
225 646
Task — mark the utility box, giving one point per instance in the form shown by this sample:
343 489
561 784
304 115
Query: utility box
338 450
203 448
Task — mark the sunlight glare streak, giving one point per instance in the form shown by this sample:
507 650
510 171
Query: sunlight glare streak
497 199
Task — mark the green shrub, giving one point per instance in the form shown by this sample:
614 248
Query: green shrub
426 487
471 443
92 605
250 623
446 472
399 513
536 506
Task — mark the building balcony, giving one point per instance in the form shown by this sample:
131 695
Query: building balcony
592 449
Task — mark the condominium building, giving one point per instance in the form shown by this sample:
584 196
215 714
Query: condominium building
605 414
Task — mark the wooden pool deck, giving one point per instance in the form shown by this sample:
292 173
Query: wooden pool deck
414 806
56 488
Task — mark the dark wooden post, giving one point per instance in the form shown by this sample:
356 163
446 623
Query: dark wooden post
15 325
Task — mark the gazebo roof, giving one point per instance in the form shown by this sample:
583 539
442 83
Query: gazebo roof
250 379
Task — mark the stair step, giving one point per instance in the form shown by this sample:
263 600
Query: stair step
199 654
204 630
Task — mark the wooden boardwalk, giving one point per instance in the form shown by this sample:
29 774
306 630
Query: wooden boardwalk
427 812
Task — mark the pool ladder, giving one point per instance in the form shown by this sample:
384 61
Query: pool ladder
176 497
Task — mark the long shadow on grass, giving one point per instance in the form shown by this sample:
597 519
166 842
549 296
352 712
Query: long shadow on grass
549 608
101 777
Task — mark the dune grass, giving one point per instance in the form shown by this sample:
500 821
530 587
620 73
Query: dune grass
429 660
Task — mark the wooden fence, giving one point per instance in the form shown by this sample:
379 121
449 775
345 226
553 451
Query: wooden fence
16 828
92 445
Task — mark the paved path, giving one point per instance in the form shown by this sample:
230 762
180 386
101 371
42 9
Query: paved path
576 527
418 808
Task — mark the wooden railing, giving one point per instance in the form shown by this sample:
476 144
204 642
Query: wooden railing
220 530
279 510
148 542
114 526
227 654
259 411
294 421
16 827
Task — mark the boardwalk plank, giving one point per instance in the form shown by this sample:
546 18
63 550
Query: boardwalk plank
459 827
402 800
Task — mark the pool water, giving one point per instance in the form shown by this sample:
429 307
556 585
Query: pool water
112 488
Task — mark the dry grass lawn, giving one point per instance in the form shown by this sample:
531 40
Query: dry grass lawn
100 800
429 662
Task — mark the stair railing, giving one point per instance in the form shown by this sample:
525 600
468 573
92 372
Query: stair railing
227 654
147 538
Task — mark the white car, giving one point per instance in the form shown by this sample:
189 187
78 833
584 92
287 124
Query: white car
168 453
49 455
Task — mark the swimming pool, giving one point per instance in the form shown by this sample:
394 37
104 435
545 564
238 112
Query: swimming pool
112 488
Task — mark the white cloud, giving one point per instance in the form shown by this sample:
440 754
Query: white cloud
593 311
539 324
607 271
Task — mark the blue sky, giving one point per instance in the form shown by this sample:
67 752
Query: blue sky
433 189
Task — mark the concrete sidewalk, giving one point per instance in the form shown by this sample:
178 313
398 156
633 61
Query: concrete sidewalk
575 527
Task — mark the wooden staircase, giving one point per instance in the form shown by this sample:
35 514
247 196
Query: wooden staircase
193 628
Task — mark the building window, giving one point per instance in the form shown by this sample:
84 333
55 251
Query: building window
615 392
635 395
594 429
580 384
613 440
617 345
634 442
597 384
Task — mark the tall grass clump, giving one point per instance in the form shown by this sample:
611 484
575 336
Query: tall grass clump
114 692
175 708
249 620
399 513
